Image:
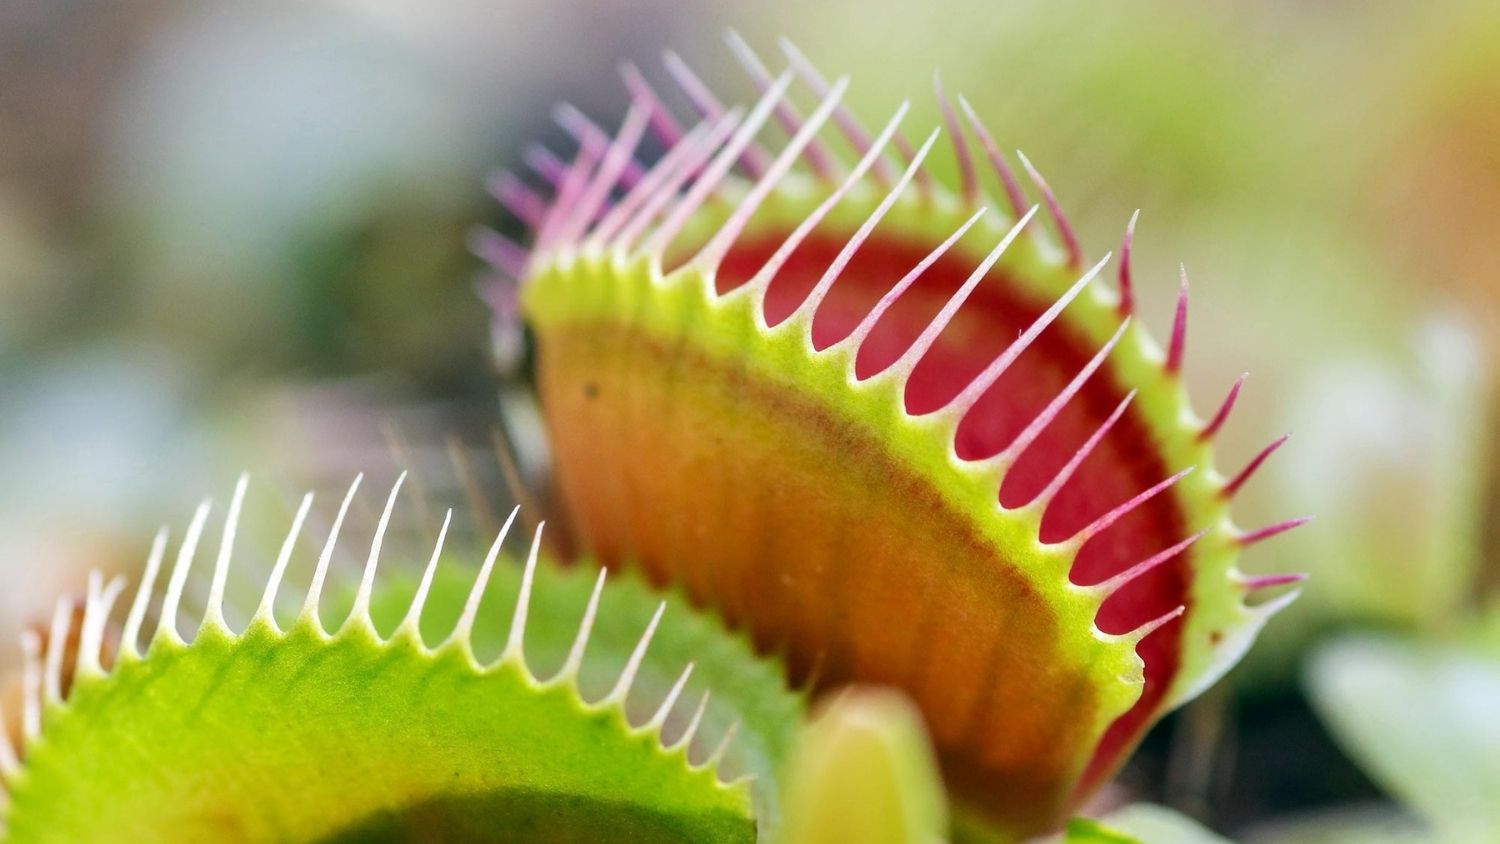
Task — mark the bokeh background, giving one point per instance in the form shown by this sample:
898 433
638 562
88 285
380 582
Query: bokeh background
233 235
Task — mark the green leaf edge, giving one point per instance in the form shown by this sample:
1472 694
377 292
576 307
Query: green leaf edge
577 284
680 792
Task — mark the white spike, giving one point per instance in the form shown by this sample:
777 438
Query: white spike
360 612
412 624
848 124
573 178
717 757
784 252
663 126
985 379
1130 505
717 169
91 637
1275 605
572 120
624 210
867 324
1065 474
660 718
754 157
10 762
166 625
711 254
545 163
818 157
1115 583
820 290
320 572
930 334
633 665
576 123
684 741
615 160
57 640
574 661
465 626
690 164
698 94
515 643
1135 636
1049 414
131 633
266 612
31 684
214 614
746 56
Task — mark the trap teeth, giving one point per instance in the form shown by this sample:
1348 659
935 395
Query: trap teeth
858 413
208 710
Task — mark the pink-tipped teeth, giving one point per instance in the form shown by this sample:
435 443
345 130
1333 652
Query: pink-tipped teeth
1212 428
498 251
1002 170
816 153
1177 348
522 202
1103 523
968 178
1262 534
585 131
545 163
1155 624
1054 408
852 129
753 159
1234 485
663 125
1066 472
1267 581
1126 577
1127 291
1054 209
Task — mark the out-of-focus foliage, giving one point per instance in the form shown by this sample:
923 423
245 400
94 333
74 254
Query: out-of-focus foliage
1397 478
1420 717
1399 486
1436 188
1360 825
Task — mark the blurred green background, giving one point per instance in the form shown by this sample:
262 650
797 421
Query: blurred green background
233 235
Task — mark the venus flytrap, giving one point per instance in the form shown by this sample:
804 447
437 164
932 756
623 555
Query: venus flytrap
905 436
265 734
880 430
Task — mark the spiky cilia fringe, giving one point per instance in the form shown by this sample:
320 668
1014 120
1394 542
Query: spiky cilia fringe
53 674
678 251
